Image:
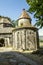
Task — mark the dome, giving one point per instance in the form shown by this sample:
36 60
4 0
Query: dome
24 19
24 14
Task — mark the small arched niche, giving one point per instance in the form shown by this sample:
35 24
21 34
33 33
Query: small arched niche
2 42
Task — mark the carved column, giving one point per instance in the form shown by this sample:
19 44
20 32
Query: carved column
23 40
7 43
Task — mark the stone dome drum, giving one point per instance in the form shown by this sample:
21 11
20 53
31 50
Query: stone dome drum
25 36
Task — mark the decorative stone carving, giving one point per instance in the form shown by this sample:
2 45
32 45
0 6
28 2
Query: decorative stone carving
25 39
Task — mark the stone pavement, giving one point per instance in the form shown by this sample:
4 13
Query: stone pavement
15 58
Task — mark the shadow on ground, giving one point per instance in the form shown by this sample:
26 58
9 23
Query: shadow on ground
36 56
21 58
11 58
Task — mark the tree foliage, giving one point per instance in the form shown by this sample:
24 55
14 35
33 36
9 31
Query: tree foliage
36 7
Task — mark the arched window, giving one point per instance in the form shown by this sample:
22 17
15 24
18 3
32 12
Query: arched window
21 24
2 42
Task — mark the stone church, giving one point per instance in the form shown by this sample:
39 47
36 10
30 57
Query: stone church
22 37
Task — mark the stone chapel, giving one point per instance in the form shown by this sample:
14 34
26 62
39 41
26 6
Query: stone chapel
22 37
25 35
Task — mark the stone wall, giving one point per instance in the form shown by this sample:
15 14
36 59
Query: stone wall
7 39
25 39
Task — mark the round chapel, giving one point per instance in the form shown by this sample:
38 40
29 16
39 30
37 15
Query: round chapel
25 35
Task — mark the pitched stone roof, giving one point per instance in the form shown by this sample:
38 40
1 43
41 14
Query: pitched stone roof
5 19
5 29
24 14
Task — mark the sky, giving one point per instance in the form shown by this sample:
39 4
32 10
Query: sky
13 9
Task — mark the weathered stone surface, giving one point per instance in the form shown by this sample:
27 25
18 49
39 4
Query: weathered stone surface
3 61
25 39
16 58
22 63
13 61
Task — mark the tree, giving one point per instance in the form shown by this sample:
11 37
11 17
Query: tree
36 7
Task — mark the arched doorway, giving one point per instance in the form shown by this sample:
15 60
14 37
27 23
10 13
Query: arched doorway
2 44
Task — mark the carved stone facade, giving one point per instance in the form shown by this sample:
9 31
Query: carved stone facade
25 36
25 39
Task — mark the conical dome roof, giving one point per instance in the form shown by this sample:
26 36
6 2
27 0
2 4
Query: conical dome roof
24 19
24 14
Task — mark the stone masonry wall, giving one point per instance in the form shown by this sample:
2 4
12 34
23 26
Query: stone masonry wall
25 39
7 39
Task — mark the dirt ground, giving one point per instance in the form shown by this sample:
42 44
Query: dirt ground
11 57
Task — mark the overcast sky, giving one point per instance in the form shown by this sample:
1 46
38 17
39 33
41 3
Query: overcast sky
13 9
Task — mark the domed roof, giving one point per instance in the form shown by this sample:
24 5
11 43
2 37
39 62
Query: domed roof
24 14
24 19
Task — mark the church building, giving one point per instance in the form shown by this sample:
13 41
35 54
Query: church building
5 31
22 37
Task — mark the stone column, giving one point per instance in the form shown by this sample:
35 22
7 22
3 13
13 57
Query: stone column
35 40
15 40
23 40
7 43
27 39
20 40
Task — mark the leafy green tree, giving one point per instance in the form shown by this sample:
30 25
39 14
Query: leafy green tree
36 7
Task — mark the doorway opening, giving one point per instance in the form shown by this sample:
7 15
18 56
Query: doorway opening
2 44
